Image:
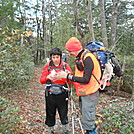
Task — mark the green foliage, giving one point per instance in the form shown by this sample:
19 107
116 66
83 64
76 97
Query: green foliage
8 13
60 32
128 75
9 118
60 26
117 118
16 64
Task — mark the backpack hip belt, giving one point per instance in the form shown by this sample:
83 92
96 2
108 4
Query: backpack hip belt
56 89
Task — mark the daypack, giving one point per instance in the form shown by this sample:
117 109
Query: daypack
55 88
110 65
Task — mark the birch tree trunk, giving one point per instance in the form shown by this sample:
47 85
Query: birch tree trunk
90 21
114 21
44 29
103 23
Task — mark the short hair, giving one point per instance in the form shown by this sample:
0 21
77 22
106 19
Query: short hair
55 51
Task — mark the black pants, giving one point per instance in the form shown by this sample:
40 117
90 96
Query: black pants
53 103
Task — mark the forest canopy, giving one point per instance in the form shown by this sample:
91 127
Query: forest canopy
34 27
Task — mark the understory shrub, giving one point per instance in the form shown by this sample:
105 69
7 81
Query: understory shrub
128 77
9 118
16 66
117 118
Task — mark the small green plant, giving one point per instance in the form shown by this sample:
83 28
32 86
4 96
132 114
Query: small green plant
9 118
117 118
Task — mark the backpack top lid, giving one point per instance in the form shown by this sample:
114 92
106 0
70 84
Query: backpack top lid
95 46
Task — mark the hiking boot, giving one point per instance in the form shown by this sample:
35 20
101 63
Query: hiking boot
92 132
67 132
50 130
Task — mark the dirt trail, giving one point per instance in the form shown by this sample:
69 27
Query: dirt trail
34 110
32 105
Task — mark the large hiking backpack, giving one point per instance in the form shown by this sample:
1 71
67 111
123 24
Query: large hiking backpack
110 65
97 48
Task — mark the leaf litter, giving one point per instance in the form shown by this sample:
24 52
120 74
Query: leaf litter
32 105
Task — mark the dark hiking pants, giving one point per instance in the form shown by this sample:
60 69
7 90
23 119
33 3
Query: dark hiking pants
56 102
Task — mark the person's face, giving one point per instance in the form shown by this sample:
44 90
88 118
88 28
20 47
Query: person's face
74 54
56 59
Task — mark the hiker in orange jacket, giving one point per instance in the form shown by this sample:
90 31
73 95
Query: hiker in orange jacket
56 94
87 75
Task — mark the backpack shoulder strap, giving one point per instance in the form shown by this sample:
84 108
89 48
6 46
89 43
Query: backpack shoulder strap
64 66
48 64
84 54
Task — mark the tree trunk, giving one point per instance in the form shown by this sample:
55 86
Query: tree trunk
133 90
44 28
103 23
77 20
50 38
90 21
24 16
120 83
114 21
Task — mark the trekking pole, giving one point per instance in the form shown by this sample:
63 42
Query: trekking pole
74 107
78 118
72 110
71 105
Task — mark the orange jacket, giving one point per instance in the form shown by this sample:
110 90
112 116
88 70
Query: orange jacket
93 85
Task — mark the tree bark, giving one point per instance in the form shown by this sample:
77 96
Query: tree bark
120 83
77 20
44 28
103 23
114 21
90 21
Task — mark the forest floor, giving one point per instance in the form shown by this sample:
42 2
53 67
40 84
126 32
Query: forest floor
32 105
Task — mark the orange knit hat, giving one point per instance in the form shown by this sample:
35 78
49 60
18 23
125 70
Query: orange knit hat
73 44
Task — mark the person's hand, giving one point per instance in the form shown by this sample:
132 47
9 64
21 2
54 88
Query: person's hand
53 78
49 77
67 71
62 74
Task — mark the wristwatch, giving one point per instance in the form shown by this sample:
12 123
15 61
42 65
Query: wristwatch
69 76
